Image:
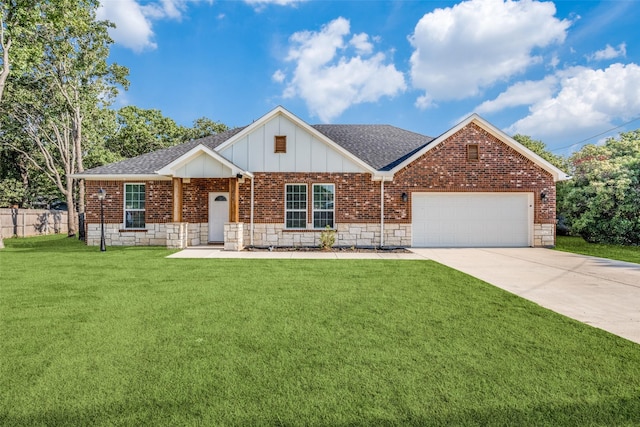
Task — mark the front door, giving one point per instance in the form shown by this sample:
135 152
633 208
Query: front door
218 215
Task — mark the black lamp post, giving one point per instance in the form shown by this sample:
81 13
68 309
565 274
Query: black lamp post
102 193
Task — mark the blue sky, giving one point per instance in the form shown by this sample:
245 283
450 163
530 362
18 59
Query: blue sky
562 72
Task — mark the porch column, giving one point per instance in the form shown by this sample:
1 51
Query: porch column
177 199
234 200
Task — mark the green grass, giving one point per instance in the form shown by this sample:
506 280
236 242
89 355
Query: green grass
579 246
131 338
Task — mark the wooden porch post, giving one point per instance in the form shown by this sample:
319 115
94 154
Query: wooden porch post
177 199
234 202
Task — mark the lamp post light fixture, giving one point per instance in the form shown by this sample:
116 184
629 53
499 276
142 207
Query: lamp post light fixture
102 193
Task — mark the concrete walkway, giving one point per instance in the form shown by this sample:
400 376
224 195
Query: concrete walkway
600 292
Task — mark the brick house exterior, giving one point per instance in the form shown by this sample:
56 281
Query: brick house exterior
374 185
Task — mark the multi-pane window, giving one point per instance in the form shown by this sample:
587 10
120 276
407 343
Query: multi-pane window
296 206
134 206
323 204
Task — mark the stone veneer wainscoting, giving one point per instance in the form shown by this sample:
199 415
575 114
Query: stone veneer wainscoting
153 235
544 235
233 236
356 235
363 235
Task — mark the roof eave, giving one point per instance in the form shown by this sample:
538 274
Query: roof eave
279 110
167 170
558 175
120 177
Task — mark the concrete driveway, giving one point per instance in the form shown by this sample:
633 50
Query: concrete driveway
596 291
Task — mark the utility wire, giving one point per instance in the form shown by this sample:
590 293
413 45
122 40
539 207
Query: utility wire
595 136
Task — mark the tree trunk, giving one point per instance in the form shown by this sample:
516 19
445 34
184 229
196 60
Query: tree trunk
72 215
4 74
77 141
24 175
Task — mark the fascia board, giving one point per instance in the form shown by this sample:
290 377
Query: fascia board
247 130
193 153
557 174
301 123
120 177
432 144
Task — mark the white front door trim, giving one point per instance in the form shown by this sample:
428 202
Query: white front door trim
218 215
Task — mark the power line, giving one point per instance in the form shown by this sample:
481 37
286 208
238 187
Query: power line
595 136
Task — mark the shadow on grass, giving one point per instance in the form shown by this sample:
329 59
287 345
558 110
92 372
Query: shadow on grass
61 243
606 412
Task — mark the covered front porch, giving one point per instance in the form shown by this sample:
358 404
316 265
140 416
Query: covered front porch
205 200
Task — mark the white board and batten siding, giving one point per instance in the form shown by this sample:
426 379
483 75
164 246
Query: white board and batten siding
305 152
472 219
202 166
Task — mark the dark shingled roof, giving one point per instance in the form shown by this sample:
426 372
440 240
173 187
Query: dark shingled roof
380 146
149 163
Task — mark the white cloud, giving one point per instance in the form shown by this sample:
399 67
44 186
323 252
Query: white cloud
361 43
329 80
462 49
279 76
171 9
609 52
134 22
587 101
133 28
261 4
521 93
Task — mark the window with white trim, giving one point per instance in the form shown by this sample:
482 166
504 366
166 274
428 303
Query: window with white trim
295 206
323 205
134 210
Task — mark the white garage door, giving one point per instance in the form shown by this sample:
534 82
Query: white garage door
472 220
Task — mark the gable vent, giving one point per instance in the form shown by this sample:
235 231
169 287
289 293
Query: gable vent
280 144
473 152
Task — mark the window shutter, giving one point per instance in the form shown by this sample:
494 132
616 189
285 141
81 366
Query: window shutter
280 144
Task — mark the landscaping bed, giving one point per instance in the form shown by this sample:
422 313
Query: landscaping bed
333 249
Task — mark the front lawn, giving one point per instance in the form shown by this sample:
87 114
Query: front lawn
129 337
579 246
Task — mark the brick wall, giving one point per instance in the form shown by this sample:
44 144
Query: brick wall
445 168
357 198
195 204
158 201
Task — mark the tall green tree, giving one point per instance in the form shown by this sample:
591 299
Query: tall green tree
18 19
141 131
71 81
540 148
561 162
204 126
603 198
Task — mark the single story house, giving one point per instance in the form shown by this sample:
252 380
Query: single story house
280 182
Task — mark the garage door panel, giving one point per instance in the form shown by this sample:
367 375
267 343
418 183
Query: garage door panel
471 219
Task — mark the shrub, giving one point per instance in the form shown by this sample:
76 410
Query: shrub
327 238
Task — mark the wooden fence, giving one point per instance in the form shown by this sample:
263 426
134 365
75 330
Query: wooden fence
16 222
